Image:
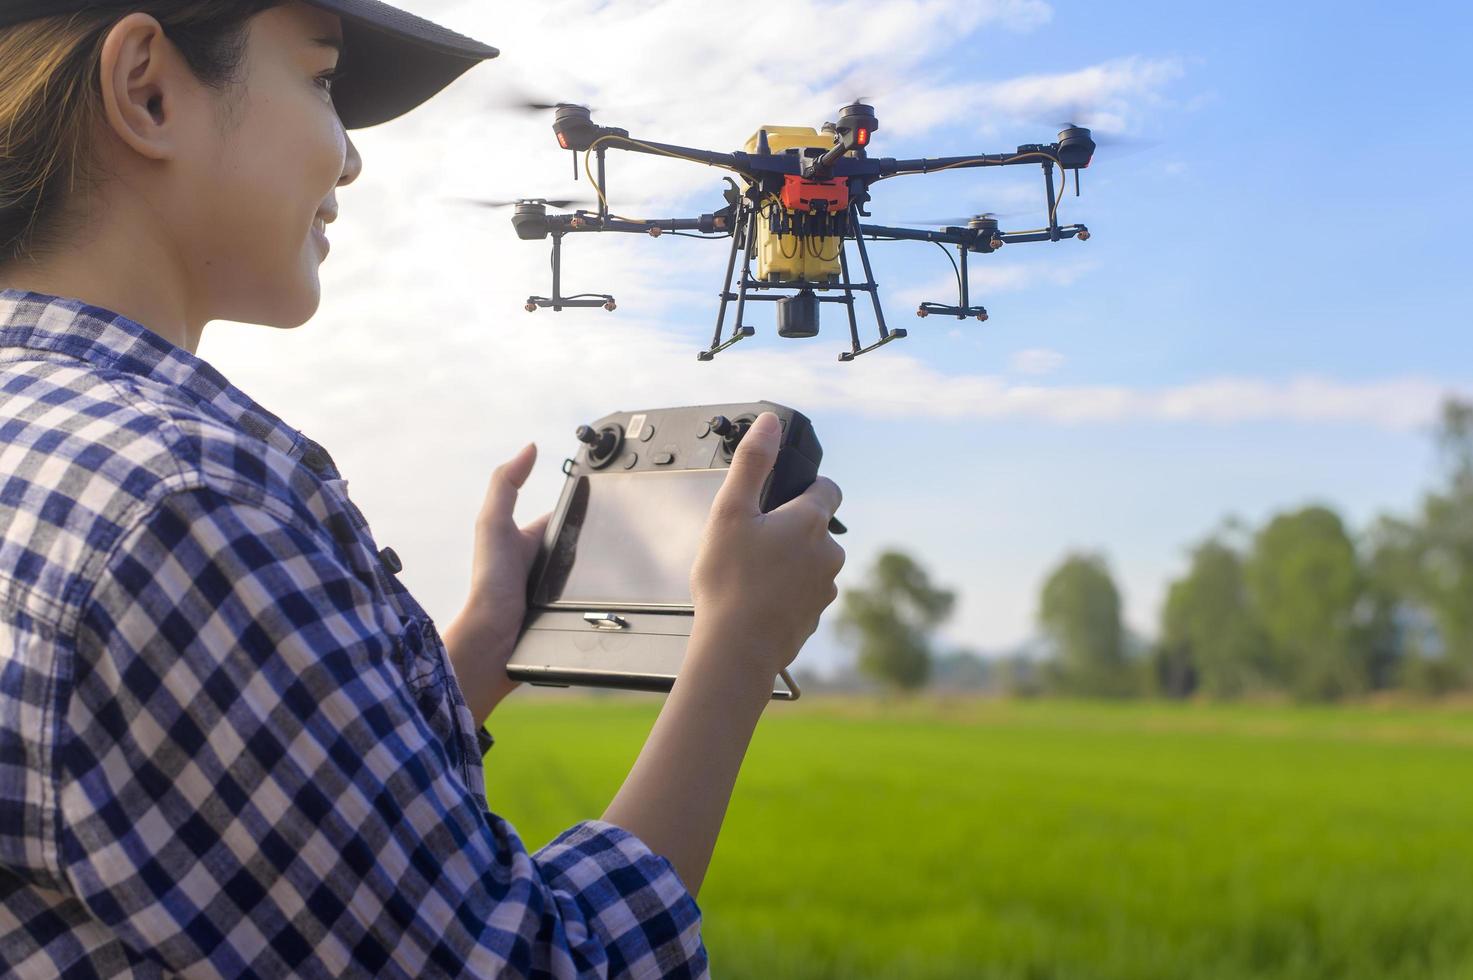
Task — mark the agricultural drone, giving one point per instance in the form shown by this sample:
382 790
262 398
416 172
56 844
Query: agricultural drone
792 207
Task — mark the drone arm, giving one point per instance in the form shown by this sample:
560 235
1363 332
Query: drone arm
1031 154
1043 235
710 224
623 141
958 237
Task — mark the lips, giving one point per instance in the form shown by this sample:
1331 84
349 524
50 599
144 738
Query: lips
319 231
324 217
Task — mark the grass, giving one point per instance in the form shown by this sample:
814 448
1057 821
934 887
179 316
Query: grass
968 838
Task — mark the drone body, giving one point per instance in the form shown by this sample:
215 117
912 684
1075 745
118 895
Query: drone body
801 228
792 212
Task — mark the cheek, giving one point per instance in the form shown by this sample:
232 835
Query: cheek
253 218
277 178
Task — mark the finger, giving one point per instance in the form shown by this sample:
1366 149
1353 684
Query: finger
750 465
838 556
532 535
506 480
824 495
538 528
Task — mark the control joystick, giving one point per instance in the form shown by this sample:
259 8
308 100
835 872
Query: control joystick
603 444
731 431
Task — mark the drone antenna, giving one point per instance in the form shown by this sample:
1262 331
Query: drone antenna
762 148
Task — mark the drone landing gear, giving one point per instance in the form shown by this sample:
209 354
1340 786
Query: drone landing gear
892 335
798 313
886 335
717 348
960 312
746 219
559 302
963 307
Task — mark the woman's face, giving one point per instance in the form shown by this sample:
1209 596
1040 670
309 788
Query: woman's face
257 190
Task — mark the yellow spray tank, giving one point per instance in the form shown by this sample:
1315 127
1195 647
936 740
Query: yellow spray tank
797 230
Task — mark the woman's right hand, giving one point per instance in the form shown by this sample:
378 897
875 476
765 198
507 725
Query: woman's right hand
764 579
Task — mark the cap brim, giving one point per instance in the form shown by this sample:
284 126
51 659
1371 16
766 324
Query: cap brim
394 61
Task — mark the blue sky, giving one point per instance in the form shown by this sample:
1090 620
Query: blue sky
1274 297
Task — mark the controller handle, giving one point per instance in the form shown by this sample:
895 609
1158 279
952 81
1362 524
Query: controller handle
731 433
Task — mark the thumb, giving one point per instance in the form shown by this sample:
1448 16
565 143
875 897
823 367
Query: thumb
750 464
534 531
506 480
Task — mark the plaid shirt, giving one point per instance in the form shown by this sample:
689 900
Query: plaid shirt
231 743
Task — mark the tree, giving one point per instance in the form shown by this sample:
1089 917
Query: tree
1079 614
1306 584
1455 443
1424 567
1210 637
893 619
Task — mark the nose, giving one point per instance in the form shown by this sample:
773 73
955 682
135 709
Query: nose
352 164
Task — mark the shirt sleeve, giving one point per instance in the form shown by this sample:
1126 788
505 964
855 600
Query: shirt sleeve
249 789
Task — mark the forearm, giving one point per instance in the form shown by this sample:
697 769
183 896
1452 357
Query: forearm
478 650
676 794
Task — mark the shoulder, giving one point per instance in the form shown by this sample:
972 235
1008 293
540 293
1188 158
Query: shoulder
88 453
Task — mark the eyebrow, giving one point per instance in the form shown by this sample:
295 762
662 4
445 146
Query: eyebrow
336 43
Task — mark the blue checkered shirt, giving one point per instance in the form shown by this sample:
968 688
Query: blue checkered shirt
231 743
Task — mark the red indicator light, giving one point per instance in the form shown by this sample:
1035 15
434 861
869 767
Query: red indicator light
862 137
562 140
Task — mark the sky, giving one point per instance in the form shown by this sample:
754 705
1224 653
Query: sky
1274 300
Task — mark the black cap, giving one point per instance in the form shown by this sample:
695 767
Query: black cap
393 60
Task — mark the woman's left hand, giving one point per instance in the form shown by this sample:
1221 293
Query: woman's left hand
482 637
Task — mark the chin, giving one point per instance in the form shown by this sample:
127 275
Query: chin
286 307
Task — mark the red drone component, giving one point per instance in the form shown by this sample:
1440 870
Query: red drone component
801 195
861 137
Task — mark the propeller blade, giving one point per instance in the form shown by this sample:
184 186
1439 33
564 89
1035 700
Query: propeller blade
552 203
1092 118
1117 142
959 221
515 99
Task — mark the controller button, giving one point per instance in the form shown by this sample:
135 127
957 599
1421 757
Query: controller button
390 559
629 463
664 459
705 430
648 433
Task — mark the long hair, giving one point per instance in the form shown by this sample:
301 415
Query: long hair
51 101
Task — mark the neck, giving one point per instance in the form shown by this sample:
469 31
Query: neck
128 270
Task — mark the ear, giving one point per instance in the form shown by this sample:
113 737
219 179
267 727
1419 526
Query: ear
141 86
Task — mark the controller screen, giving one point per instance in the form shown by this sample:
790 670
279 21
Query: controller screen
630 538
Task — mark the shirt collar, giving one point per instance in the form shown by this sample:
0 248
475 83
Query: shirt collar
40 322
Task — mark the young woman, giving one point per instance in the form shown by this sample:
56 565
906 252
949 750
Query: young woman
231 743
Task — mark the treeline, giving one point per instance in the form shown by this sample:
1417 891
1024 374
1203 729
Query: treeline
1301 606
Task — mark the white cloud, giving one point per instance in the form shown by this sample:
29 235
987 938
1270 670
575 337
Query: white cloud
1036 360
1110 93
421 372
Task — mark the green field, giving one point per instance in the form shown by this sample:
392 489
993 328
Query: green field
969 838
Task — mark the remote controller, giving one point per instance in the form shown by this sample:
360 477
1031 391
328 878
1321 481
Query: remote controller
609 600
